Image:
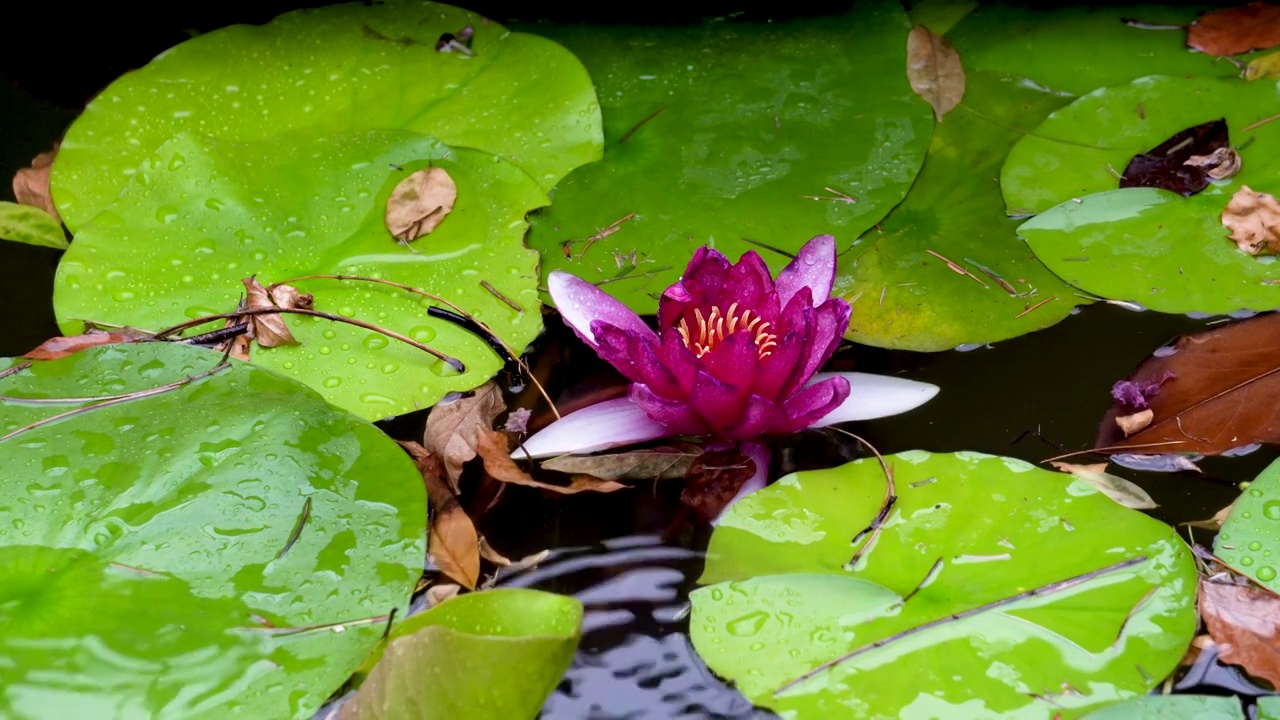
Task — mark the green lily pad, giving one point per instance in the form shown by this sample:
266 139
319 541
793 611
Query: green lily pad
1067 601
201 214
495 654
722 133
343 68
1250 537
1173 707
1043 43
30 225
904 296
172 554
1076 149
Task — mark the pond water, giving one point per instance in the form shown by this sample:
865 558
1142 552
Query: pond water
632 557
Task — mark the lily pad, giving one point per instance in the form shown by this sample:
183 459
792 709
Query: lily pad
343 68
494 654
1173 707
1250 538
30 225
904 293
202 213
1076 149
1065 600
189 551
724 133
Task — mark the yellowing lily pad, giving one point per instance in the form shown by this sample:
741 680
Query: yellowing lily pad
1003 590
343 68
201 213
222 543
731 132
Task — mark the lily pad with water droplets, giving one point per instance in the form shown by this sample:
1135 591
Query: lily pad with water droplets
153 562
734 131
201 214
1006 589
1173 707
1250 537
343 68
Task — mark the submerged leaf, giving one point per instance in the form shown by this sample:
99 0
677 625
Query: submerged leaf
1169 165
1254 221
1245 622
662 463
934 69
495 450
419 203
1236 30
30 225
1123 491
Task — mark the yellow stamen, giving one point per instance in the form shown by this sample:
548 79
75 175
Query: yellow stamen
712 330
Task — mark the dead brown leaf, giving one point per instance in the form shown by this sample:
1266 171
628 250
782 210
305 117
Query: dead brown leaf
60 347
1254 221
1130 424
1263 67
31 184
454 428
1223 393
452 539
437 594
664 463
1213 523
420 203
1122 491
1236 30
269 329
934 69
1219 164
714 480
1245 623
496 453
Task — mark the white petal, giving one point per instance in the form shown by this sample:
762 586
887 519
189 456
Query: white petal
875 396
580 302
591 429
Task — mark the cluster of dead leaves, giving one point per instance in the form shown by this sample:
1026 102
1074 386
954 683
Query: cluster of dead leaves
267 328
1242 620
1186 162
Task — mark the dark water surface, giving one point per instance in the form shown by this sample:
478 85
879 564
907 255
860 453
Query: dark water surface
632 557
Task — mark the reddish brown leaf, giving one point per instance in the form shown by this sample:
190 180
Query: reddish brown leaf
1245 623
1168 165
1224 392
1254 220
1130 424
420 203
452 540
60 347
31 184
934 70
454 427
1236 30
495 450
714 479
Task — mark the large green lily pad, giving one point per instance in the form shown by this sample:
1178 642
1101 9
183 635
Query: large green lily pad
722 133
342 68
490 655
153 561
1083 147
905 297
1067 601
1075 50
201 214
1250 537
1173 707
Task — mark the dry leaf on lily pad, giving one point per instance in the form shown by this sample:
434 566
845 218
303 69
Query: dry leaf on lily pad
420 203
1218 390
1236 30
452 540
269 329
1263 67
1219 164
31 184
454 428
1117 488
60 347
934 69
1254 221
664 463
495 450
1244 621
1166 165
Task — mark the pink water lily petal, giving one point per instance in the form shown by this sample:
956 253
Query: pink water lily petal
875 396
813 267
580 302
591 429
675 415
813 402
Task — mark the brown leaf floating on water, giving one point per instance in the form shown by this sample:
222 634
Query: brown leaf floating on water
420 203
454 428
1245 623
1235 30
31 184
934 70
495 450
664 463
1219 389
1254 221
452 540
60 347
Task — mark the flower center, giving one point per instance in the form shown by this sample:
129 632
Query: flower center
714 328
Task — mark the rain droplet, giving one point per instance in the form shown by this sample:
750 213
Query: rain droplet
1271 509
331 382
1266 572
375 341
748 624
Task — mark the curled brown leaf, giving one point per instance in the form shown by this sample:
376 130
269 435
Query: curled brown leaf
1254 221
454 428
31 184
452 540
1219 164
495 450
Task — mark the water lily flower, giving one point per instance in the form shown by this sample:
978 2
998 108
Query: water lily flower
735 357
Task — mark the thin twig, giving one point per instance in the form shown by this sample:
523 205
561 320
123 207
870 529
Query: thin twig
1111 448
334 626
768 247
102 398
15 369
955 617
644 121
1260 123
1038 305
928 578
297 527
116 400
601 234
872 531
496 293
958 269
